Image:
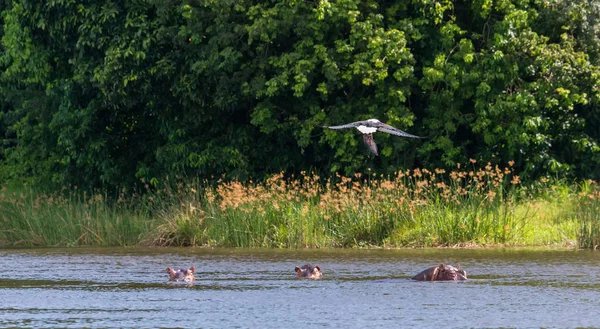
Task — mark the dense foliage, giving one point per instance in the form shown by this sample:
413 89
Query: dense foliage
106 93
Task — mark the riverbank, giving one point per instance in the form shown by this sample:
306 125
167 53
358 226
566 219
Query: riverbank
485 206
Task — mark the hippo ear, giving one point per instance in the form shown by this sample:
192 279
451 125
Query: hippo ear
318 268
169 270
441 267
297 269
193 269
458 266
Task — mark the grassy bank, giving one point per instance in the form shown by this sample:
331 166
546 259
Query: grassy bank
466 207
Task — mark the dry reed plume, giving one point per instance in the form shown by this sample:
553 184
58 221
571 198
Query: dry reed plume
474 206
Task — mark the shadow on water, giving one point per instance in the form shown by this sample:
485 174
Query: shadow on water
128 287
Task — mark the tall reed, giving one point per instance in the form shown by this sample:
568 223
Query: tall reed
465 206
68 219
412 208
588 214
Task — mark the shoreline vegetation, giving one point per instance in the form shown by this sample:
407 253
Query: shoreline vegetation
138 107
470 206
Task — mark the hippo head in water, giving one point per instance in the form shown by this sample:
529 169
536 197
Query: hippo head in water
181 274
309 271
442 273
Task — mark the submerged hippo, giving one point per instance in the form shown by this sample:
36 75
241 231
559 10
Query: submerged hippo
442 273
309 271
181 274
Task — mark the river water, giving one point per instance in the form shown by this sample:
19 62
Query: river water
124 287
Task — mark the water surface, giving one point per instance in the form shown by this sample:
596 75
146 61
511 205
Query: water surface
257 289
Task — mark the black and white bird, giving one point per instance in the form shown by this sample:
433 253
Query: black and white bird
368 127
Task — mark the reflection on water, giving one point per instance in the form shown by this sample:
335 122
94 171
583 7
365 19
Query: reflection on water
257 288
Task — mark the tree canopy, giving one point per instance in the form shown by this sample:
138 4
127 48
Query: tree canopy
108 93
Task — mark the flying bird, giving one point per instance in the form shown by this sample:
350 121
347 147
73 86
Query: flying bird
368 127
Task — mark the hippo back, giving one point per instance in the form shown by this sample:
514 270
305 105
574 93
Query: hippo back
441 273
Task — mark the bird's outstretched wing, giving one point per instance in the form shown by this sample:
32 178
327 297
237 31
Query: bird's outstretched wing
395 131
349 125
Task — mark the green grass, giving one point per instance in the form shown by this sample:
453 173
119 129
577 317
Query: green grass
476 207
588 215
34 219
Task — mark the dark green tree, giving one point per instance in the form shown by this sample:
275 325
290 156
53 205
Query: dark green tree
109 93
